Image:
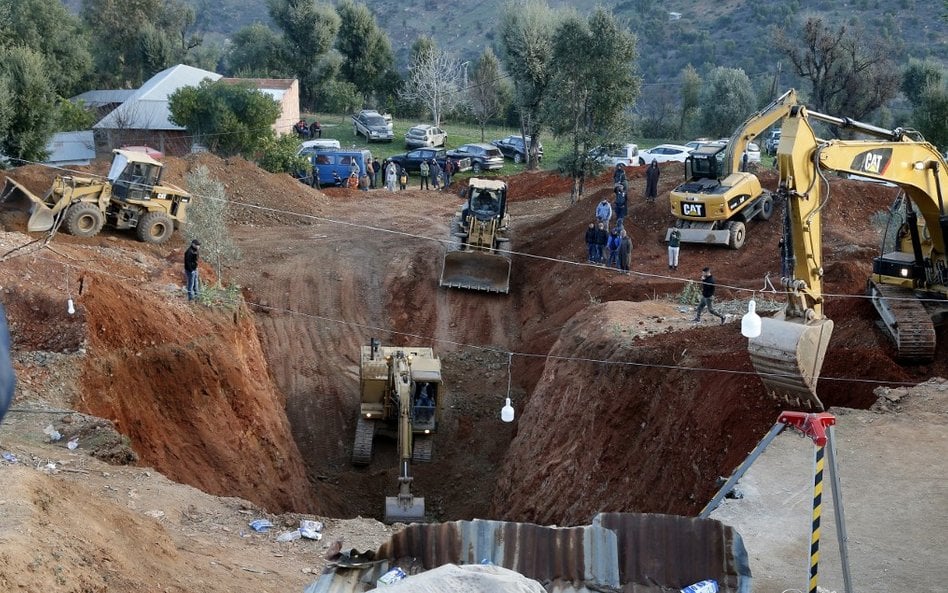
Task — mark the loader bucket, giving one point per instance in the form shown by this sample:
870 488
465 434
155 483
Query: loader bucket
476 270
404 509
41 217
788 356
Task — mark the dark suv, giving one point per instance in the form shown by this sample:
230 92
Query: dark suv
484 157
513 147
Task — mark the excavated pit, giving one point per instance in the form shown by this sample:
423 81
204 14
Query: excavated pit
609 415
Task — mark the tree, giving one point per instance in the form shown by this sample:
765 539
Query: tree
368 60
134 39
227 118
308 34
930 114
526 42
918 77
434 80
727 98
257 51
485 88
207 220
847 71
32 104
591 89
47 27
690 98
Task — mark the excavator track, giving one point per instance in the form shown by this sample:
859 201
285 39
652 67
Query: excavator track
362 448
423 447
908 323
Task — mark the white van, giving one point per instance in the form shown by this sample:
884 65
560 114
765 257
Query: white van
624 154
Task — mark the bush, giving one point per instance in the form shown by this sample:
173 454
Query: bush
278 155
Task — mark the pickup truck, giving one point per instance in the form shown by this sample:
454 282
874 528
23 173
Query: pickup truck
411 160
373 125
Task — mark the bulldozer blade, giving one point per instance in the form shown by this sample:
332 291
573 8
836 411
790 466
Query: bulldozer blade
788 356
41 217
400 509
476 270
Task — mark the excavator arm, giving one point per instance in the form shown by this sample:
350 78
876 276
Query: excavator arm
788 354
403 507
778 109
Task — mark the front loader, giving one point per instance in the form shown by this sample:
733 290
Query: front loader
401 397
481 227
130 197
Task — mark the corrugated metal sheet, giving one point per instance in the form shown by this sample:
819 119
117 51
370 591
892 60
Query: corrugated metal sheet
628 552
71 148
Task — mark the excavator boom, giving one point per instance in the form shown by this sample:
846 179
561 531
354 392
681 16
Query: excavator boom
788 354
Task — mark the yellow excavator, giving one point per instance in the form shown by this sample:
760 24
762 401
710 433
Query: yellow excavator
719 199
909 283
481 227
401 397
130 197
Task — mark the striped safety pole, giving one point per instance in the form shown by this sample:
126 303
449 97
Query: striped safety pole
817 512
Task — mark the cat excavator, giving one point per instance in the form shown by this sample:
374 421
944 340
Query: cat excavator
401 397
909 283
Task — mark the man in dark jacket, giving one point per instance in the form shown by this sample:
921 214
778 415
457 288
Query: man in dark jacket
707 296
191 268
448 172
651 182
602 238
625 252
622 207
591 242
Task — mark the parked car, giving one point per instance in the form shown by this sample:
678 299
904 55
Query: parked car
664 153
373 125
310 146
328 161
514 147
625 155
484 157
696 144
411 160
752 150
425 135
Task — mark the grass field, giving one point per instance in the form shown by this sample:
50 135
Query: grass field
340 128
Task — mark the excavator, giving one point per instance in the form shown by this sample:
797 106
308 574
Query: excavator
909 283
401 397
481 228
719 199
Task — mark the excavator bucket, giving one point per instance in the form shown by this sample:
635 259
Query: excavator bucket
41 214
404 509
788 356
476 270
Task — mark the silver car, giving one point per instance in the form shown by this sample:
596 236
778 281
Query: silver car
425 136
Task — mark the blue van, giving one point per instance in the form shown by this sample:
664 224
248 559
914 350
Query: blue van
327 162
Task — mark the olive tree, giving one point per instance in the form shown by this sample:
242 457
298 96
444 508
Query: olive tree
207 220
593 86
526 43
485 90
727 98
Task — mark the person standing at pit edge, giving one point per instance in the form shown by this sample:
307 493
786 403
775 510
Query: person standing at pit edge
707 296
191 257
674 246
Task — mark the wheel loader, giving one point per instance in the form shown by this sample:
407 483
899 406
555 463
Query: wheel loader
130 197
481 227
718 200
909 283
401 396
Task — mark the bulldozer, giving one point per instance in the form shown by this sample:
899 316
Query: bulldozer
130 197
909 282
401 396
718 200
481 226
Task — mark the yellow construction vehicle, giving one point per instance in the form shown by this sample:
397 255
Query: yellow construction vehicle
719 199
481 228
401 397
909 283
130 197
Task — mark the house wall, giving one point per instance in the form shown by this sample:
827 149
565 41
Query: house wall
170 142
290 110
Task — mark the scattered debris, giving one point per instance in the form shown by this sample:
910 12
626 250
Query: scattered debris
52 433
260 525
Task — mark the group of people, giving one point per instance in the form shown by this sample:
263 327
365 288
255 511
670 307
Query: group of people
307 131
611 248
